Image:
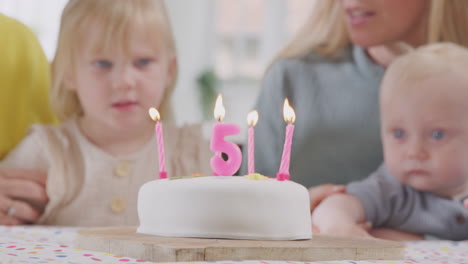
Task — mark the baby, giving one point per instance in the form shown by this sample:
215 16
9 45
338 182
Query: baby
421 185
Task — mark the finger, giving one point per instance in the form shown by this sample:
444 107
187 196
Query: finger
22 211
33 175
465 203
23 190
5 218
9 221
25 212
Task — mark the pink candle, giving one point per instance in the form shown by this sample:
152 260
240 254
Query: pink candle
159 138
219 145
252 119
289 117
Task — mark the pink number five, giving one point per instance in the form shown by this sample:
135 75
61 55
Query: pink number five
220 145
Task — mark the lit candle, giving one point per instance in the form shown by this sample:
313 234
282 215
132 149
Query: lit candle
252 119
289 117
219 145
159 138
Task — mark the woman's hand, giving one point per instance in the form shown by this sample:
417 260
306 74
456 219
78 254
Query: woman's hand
22 196
318 193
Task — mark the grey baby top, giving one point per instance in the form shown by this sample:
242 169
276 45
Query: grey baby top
336 136
388 203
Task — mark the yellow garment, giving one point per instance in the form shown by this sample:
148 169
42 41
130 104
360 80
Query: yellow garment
24 83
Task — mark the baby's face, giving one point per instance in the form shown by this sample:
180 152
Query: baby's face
425 134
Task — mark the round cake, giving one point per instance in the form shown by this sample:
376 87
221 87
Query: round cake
250 207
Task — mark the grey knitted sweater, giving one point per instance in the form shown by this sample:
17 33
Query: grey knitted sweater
336 137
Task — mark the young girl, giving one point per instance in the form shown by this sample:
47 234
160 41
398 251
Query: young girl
424 130
115 59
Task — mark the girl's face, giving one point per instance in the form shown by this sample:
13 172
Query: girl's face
116 87
425 134
378 22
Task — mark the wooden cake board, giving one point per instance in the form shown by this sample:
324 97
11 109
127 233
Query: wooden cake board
124 241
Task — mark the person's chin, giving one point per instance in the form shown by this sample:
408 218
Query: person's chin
128 122
366 40
365 43
420 185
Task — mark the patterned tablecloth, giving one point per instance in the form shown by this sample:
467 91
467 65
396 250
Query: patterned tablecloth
39 244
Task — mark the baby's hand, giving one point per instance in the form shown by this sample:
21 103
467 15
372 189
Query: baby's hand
22 196
321 192
349 230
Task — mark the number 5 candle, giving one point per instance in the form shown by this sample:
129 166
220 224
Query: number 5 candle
159 138
219 145
289 118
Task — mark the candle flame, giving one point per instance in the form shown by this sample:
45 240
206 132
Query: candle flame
153 112
288 112
219 110
252 118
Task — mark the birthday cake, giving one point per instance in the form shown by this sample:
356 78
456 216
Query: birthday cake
249 207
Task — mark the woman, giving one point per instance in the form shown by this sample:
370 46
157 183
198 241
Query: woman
331 72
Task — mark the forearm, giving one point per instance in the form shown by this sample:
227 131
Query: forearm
339 214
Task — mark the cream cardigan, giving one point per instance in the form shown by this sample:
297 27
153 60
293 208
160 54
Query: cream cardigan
89 187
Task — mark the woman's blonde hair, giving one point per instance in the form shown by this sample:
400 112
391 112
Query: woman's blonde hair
115 19
325 30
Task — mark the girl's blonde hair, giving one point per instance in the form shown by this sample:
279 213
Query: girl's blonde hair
115 19
325 30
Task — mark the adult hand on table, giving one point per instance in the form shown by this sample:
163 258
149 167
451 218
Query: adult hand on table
22 196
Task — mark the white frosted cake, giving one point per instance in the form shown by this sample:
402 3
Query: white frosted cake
250 207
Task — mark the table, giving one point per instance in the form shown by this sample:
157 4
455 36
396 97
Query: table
53 245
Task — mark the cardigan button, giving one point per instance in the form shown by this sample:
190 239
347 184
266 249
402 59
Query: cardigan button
118 205
122 169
